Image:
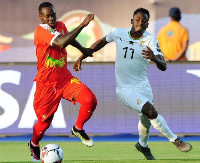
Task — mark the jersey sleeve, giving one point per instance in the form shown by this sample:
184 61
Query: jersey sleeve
111 36
185 35
153 44
44 33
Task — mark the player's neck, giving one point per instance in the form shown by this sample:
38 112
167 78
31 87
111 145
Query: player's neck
135 35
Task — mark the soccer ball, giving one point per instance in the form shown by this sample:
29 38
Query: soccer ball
51 153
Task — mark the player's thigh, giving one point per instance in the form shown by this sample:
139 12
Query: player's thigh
72 88
133 99
46 101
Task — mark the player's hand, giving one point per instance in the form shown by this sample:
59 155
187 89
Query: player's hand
148 54
77 64
88 18
87 52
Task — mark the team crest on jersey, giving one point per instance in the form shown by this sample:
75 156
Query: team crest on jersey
138 101
50 30
142 43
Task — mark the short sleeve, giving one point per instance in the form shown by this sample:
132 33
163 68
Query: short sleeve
44 33
185 35
153 44
110 36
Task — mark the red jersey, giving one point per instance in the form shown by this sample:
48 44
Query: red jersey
51 61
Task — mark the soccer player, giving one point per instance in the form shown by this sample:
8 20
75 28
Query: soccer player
54 81
135 47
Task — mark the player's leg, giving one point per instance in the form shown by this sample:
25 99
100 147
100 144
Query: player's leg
88 102
159 123
38 132
46 101
143 128
144 125
135 100
76 91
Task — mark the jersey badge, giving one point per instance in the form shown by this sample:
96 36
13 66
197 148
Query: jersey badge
142 43
138 101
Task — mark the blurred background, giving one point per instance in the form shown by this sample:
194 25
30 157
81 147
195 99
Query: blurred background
176 91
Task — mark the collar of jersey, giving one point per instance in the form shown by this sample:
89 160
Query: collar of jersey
129 33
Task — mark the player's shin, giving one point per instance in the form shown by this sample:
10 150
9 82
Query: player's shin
160 124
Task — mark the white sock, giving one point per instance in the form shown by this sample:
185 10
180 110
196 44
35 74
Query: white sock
143 134
160 124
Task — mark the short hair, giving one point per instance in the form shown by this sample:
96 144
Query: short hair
44 4
175 13
143 10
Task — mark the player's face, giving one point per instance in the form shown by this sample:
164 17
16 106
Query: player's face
140 22
48 16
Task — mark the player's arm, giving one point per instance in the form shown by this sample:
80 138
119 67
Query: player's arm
158 59
63 41
94 47
160 62
86 51
182 51
98 44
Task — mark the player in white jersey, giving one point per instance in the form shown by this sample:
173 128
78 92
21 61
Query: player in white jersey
135 47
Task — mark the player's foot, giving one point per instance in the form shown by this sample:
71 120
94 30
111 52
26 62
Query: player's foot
145 151
182 146
35 152
83 136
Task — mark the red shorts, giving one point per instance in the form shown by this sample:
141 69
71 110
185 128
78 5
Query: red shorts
47 99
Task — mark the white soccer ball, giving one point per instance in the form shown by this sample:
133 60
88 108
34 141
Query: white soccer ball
51 153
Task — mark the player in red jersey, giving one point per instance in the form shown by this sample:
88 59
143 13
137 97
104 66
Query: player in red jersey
54 81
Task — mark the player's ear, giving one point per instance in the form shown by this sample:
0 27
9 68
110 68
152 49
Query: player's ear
131 21
40 16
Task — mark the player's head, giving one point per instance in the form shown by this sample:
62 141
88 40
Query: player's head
47 14
175 13
140 20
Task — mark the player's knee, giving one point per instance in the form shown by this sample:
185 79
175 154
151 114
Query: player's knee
149 110
89 99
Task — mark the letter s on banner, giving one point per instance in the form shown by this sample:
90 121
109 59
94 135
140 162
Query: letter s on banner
7 102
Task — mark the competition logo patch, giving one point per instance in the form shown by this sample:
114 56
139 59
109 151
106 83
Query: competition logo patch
138 101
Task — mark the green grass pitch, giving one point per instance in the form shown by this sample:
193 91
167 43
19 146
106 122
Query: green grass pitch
103 152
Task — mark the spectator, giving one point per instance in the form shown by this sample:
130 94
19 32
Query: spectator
173 38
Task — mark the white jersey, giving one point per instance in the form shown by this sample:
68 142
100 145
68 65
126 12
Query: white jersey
130 67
